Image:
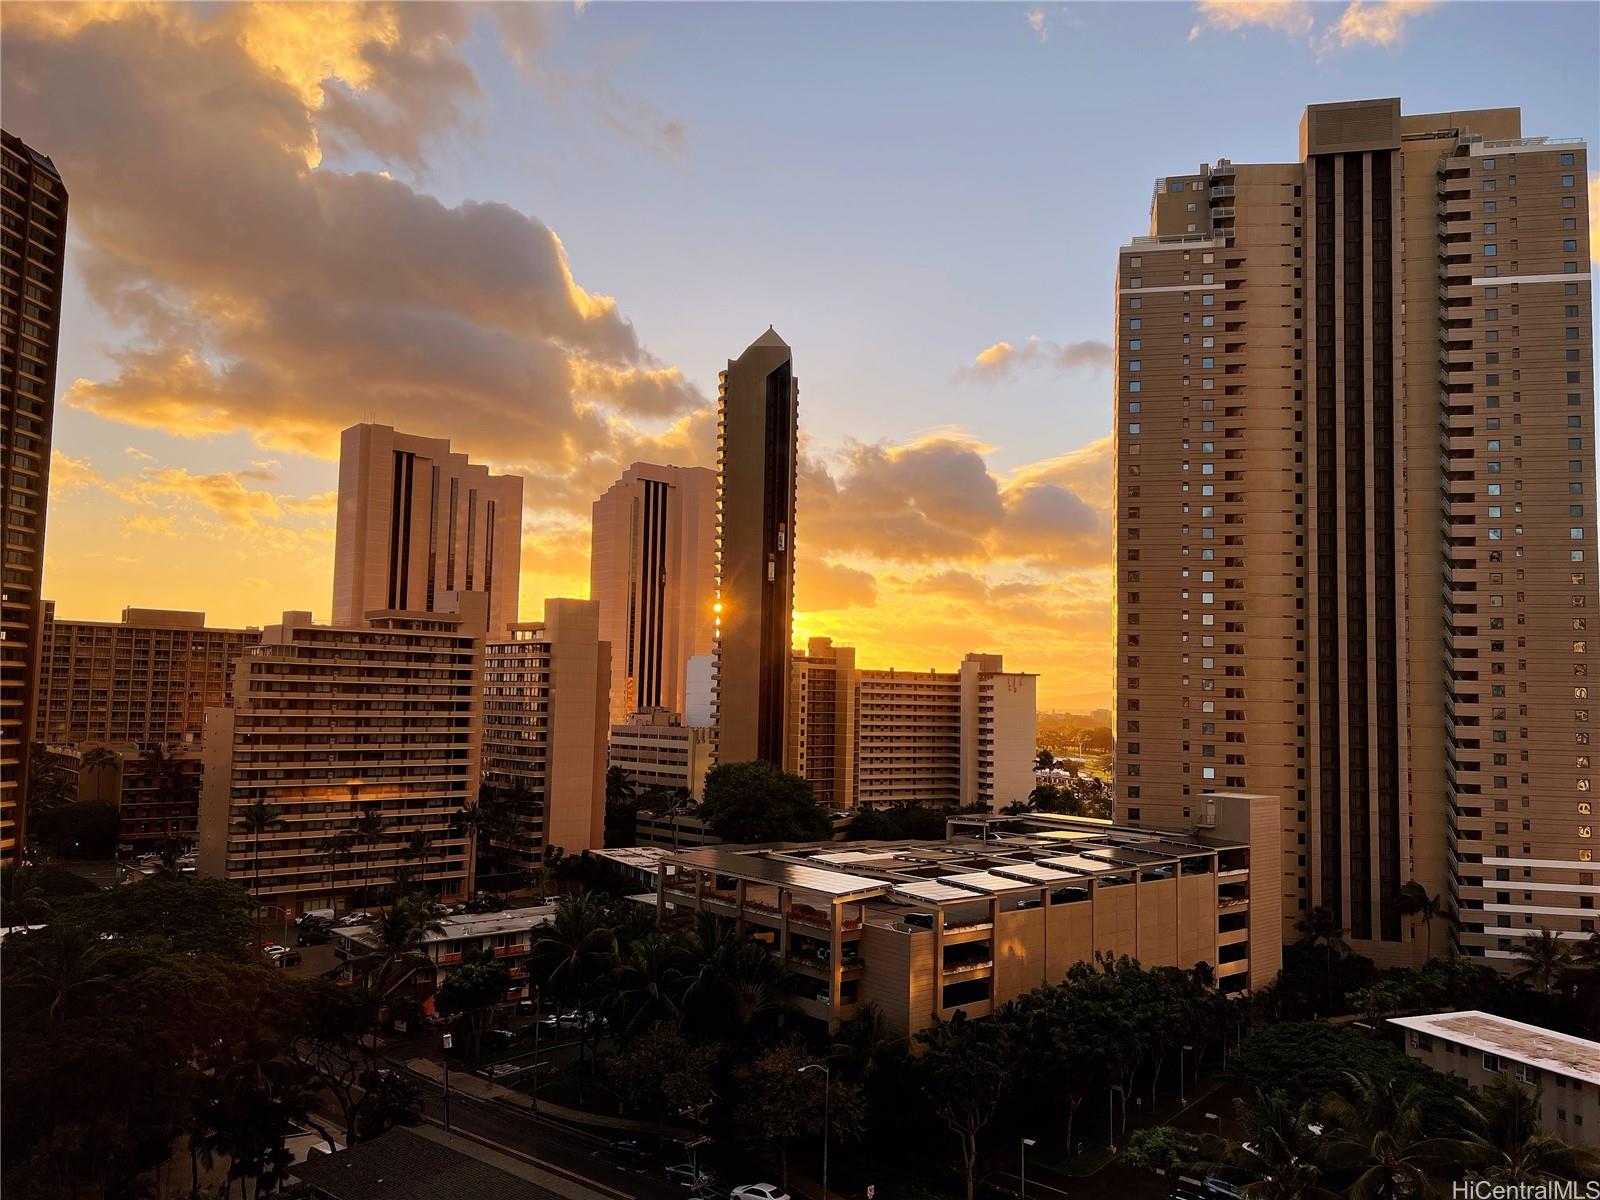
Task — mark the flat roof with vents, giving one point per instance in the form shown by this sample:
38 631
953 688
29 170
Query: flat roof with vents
1574 1057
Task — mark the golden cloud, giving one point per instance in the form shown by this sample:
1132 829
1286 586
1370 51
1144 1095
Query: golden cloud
1379 23
261 295
1290 17
999 360
1374 23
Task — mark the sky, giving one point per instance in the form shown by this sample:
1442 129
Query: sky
540 231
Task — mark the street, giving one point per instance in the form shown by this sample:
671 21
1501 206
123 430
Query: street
565 1152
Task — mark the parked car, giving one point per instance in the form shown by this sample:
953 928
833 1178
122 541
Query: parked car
290 958
312 935
501 1070
270 948
355 918
758 1191
314 916
526 1008
1221 1188
630 1153
500 1038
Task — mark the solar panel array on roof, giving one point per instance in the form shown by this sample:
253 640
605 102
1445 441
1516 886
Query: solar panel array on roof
931 892
1077 862
1034 872
985 881
780 872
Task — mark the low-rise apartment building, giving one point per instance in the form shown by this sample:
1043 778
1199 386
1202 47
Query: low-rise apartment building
657 751
507 935
1000 906
1563 1071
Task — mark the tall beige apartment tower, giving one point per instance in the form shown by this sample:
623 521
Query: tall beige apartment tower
1354 531
417 521
34 240
653 572
147 678
757 430
545 714
822 721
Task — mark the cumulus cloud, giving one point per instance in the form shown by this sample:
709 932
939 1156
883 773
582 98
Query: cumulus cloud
821 586
936 500
265 294
1290 17
1374 23
162 495
1039 22
1379 23
999 360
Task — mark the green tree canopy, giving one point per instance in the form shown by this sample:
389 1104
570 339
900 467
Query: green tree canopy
751 802
472 989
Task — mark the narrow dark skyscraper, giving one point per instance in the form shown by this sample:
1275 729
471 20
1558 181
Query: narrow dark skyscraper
757 428
35 243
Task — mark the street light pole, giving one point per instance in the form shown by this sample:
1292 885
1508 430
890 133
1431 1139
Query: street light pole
538 1020
1183 1092
827 1097
1026 1142
448 1042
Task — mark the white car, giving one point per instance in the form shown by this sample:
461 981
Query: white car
759 1191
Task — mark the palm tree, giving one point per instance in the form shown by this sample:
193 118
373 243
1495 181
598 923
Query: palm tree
367 831
257 818
1586 955
1512 1150
1545 958
418 846
174 791
1380 1142
574 951
864 1042
334 845
649 985
58 964
403 933
1320 927
1415 902
95 760
1275 1159
472 820
46 789
734 980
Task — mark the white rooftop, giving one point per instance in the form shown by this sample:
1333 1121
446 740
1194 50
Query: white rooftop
463 925
1574 1057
